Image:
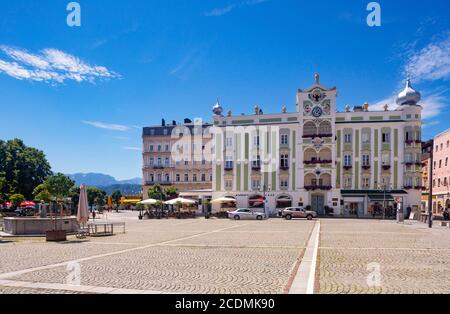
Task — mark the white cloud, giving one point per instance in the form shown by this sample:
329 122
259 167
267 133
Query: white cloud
430 63
51 66
231 7
107 126
431 123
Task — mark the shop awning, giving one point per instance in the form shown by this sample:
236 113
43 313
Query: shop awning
381 198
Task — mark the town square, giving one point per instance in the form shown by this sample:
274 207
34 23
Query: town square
198 149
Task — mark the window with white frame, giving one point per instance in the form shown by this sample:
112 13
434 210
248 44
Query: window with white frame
365 183
284 184
152 148
159 178
366 160
194 177
167 162
284 139
167 178
178 177
348 182
284 160
151 177
228 184
256 184
186 178
348 138
366 137
229 162
203 177
347 160
152 161
386 137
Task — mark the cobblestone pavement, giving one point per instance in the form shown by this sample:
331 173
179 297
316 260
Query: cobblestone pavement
410 258
222 256
175 256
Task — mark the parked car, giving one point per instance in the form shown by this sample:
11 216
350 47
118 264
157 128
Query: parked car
25 212
247 214
297 212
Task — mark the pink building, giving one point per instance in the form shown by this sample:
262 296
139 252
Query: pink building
441 173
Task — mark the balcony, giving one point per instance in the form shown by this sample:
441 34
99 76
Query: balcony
386 167
317 162
348 168
229 167
313 136
158 166
366 167
318 187
256 167
284 167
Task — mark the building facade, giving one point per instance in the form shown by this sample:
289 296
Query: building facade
179 156
441 172
352 163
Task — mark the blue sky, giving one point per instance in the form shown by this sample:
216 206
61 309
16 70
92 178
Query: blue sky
82 94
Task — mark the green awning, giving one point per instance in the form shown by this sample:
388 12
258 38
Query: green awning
381 198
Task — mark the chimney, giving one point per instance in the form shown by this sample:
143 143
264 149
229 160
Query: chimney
163 123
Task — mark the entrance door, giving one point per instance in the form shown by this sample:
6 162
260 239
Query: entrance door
318 204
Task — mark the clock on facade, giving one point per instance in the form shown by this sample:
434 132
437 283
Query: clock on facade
317 112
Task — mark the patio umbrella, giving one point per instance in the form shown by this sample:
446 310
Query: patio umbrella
150 201
83 213
27 204
223 200
183 201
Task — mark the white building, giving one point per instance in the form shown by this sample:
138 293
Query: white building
345 163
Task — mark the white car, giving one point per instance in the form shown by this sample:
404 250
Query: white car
247 214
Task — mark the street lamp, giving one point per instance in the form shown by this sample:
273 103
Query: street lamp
385 188
265 190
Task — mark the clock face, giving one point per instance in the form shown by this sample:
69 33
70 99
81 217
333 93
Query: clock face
317 112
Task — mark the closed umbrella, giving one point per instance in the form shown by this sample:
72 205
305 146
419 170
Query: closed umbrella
83 213
109 201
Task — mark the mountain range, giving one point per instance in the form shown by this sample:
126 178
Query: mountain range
108 183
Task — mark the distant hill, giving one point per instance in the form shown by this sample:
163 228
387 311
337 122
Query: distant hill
108 183
125 189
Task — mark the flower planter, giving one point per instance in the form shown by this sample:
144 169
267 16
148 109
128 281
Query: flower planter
56 236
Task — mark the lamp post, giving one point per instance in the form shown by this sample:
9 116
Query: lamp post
430 184
265 190
385 188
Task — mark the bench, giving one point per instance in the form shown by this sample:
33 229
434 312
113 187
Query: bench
445 223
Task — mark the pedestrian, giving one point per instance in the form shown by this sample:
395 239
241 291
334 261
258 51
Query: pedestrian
446 214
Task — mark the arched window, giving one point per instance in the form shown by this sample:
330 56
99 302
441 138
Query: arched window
325 128
309 129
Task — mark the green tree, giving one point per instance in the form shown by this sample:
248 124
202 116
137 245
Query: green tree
95 196
59 186
41 193
16 200
171 192
116 196
22 168
156 193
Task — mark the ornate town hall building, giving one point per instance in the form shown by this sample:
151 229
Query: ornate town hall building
346 163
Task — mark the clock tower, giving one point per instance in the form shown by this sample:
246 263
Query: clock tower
316 147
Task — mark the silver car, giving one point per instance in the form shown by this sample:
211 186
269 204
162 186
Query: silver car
297 212
247 214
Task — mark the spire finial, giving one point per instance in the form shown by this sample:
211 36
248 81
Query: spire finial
317 77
